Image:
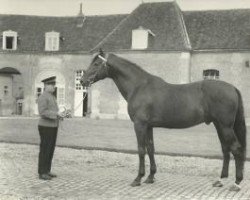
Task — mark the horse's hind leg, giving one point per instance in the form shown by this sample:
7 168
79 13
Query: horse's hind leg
239 157
232 142
151 150
141 131
226 157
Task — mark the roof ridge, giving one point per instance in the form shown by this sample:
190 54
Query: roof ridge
184 29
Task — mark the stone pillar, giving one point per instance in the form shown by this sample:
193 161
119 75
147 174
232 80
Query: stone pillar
185 67
95 103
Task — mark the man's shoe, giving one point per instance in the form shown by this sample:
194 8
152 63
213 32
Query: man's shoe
52 175
45 177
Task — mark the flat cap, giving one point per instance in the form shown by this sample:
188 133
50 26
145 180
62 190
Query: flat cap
50 80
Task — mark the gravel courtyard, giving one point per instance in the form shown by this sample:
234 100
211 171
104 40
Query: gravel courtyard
93 174
96 159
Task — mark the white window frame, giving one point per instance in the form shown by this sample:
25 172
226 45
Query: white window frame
6 34
52 41
78 85
140 38
60 95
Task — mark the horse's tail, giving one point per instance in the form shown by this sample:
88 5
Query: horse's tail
240 124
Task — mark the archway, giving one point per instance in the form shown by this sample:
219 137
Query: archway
11 92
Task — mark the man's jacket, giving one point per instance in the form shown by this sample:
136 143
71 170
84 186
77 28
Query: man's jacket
48 109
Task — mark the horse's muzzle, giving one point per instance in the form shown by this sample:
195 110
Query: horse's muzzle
83 83
86 83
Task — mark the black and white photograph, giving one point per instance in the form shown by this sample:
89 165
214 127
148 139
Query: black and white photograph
124 99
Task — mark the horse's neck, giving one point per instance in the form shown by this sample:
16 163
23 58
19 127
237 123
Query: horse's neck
126 77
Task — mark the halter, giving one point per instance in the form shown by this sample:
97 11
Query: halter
104 60
104 64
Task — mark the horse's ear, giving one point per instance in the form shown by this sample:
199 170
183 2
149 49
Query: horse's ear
101 52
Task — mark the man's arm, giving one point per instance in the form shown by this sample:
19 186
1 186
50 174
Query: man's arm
43 110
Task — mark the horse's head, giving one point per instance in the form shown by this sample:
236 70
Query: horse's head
96 71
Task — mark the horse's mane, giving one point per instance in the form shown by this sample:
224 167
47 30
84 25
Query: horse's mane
127 63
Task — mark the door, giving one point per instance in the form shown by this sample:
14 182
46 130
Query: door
81 97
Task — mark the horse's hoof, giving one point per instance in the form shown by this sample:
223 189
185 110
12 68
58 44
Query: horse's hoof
218 184
135 183
235 187
149 181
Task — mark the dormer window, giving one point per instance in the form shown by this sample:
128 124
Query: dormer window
140 38
9 40
52 41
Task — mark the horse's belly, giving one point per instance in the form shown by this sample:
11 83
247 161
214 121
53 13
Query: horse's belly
176 124
181 120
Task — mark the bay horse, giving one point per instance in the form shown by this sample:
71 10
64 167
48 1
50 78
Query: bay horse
152 102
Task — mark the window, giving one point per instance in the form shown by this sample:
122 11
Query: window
38 91
52 41
211 74
60 96
78 75
20 93
6 91
9 40
140 38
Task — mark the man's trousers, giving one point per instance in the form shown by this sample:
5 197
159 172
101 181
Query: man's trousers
48 137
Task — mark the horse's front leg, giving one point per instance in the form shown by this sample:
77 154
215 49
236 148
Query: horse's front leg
141 131
151 150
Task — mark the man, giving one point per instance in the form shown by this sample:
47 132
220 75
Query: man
48 127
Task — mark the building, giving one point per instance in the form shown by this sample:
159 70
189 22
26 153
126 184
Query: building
178 46
221 43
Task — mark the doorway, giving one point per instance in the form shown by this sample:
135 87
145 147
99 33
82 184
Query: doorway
81 97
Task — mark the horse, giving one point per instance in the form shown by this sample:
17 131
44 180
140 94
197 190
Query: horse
152 102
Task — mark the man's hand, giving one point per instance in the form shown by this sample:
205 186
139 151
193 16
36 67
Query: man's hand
60 115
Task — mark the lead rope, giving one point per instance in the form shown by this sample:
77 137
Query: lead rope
60 125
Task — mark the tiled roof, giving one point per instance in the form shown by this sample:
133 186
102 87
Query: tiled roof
163 19
221 29
31 31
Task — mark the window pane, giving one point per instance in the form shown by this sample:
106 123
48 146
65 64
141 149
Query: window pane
60 96
9 42
211 74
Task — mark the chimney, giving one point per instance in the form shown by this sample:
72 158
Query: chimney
80 18
80 13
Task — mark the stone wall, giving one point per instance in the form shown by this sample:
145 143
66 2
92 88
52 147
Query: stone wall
232 66
105 101
33 66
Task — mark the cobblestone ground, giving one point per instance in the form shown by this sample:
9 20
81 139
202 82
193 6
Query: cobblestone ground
85 174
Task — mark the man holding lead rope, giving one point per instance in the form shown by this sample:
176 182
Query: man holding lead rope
48 127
